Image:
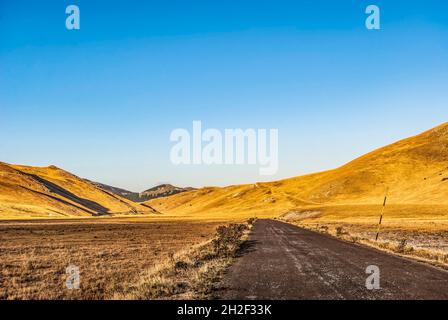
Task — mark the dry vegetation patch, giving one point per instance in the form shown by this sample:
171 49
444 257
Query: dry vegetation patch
190 274
34 255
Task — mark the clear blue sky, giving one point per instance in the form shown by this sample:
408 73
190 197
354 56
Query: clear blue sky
102 101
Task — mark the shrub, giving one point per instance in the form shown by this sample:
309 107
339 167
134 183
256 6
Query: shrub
182 265
401 247
340 231
445 258
251 221
228 239
408 249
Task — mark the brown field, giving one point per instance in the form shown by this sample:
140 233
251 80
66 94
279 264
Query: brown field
111 253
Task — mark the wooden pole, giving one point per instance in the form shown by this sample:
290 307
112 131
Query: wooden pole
381 216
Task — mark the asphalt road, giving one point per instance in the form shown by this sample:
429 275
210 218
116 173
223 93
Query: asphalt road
282 261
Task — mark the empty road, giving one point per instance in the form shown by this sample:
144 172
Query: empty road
282 261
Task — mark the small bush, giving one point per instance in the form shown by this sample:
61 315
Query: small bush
181 265
251 221
384 245
228 239
401 247
408 249
340 231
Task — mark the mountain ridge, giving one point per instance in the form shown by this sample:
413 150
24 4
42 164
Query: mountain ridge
27 191
413 171
159 191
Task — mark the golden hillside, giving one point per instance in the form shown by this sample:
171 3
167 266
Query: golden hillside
415 170
28 192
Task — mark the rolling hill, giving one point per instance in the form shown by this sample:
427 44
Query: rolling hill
133 196
163 190
159 191
29 192
414 170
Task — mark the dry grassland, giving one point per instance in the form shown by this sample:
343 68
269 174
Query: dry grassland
111 253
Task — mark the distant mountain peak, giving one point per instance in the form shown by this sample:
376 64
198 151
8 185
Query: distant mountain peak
163 190
159 191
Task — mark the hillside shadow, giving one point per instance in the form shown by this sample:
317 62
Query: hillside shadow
60 200
92 205
148 206
110 194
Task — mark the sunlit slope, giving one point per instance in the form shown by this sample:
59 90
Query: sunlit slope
415 170
50 191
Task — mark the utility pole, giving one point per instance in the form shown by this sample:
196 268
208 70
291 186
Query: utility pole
381 217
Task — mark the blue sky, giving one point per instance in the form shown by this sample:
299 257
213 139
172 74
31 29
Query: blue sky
102 101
